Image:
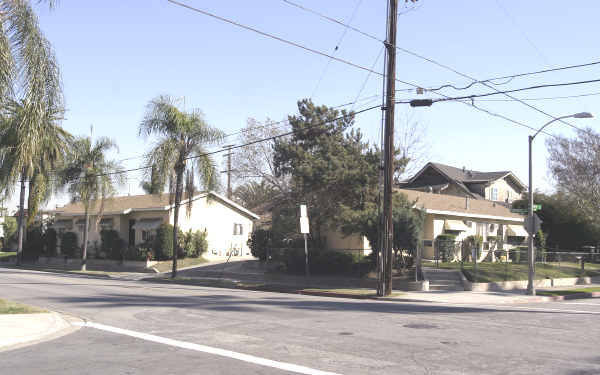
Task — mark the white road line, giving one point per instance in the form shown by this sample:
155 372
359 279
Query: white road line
207 349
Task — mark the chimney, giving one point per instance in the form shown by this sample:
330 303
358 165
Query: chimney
466 202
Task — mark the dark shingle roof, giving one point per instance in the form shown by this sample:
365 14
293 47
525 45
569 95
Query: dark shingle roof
469 176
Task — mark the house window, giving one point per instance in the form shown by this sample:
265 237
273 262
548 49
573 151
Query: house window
238 229
494 194
106 224
148 235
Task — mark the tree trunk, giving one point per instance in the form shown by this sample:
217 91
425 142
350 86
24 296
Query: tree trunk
85 240
178 191
21 221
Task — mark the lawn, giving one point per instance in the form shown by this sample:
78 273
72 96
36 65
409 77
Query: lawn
167 265
566 292
5 256
8 307
492 272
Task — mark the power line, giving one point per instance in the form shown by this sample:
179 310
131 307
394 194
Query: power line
337 46
523 34
351 63
235 147
280 39
510 77
544 98
428 60
518 90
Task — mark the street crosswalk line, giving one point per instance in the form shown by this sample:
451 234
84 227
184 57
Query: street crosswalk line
207 349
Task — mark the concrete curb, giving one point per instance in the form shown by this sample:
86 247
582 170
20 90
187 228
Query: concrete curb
579 295
40 327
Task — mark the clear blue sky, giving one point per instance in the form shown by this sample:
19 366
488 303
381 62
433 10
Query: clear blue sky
117 55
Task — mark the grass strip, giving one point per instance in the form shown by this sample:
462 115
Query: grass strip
9 307
566 292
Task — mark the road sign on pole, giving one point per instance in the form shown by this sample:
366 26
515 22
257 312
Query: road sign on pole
533 228
304 229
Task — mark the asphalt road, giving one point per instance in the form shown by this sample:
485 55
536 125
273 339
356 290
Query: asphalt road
146 328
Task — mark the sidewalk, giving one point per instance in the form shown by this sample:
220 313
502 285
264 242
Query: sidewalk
17 330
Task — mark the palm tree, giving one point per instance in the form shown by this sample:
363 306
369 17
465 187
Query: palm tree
31 140
91 180
180 148
29 146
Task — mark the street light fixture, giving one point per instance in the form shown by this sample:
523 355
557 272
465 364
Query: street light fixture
530 229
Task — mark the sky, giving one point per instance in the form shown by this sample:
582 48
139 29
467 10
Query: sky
117 55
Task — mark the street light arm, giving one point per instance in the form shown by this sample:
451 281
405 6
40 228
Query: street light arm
548 123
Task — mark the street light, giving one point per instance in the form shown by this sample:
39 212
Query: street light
530 254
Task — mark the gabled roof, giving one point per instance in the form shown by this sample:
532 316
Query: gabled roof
457 206
467 176
147 202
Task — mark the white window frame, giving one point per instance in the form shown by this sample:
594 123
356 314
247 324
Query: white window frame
238 229
494 194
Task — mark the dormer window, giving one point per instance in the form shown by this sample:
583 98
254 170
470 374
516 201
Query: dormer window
494 194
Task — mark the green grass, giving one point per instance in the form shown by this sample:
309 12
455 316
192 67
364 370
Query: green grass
566 292
8 307
167 265
493 272
7 255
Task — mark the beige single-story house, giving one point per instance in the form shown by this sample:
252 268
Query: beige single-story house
137 218
464 217
448 214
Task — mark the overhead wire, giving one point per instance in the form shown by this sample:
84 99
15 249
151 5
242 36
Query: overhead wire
562 84
285 41
430 61
308 48
337 46
350 114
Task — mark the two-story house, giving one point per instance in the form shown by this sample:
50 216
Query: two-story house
502 186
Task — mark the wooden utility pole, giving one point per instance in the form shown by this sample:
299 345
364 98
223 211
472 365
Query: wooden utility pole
228 171
390 97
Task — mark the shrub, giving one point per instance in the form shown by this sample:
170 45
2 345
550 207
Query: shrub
112 245
319 261
50 242
200 242
163 243
445 244
140 252
68 244
9 228
259 243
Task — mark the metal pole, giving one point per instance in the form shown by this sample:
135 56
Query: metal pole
390 45
530 252
306 269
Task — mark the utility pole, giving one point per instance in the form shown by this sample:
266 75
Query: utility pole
228 171
390 74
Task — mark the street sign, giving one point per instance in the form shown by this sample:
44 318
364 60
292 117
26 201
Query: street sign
304 225
537 224
536 207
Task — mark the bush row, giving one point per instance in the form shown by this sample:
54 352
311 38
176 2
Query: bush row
112 246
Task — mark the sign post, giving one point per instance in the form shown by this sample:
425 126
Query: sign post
305 230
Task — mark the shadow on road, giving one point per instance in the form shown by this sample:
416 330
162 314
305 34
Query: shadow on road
227 302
